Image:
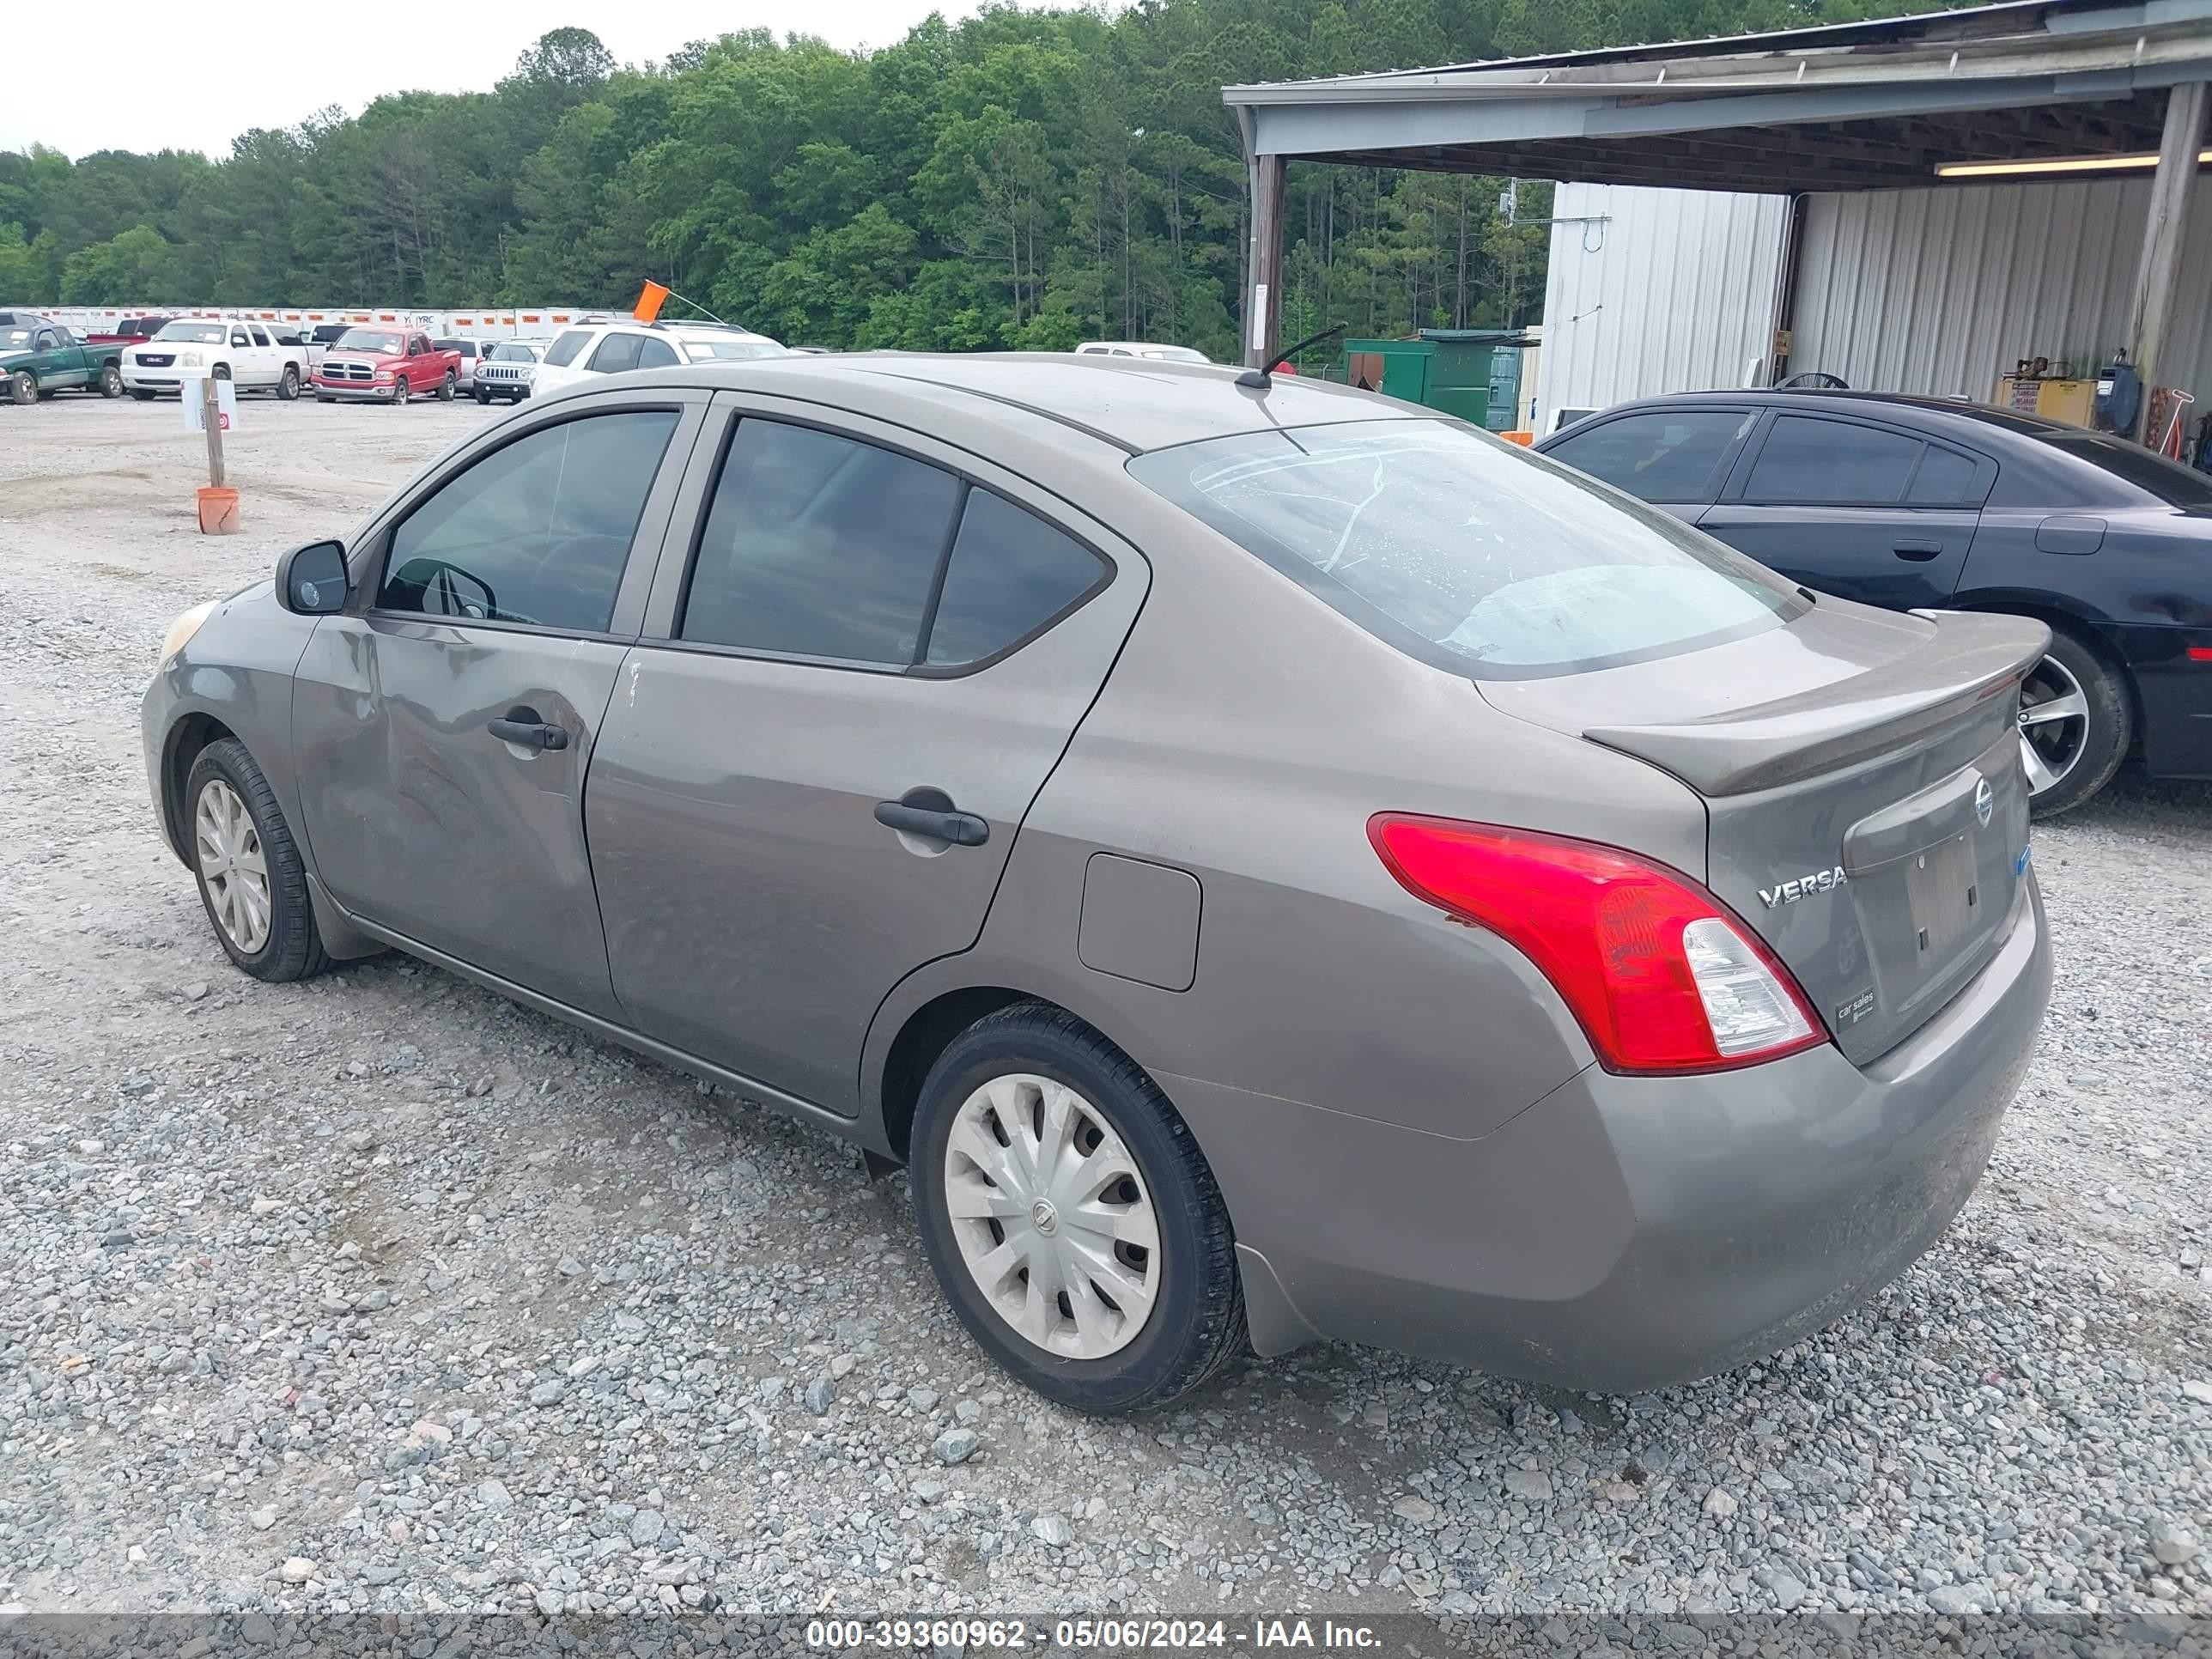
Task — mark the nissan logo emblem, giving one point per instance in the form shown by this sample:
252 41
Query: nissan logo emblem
1984 802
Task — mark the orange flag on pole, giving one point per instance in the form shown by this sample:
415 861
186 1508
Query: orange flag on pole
649 300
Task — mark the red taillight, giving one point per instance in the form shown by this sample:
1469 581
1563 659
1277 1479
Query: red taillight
1662 976
2200 654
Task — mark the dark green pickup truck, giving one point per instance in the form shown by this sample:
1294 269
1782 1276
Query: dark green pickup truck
39 357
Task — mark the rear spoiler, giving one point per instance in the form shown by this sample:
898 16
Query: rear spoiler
1970 657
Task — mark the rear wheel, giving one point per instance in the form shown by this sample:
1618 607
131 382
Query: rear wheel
111 380
23 387
252 879
2074 724
288 384
1070 1216
446 386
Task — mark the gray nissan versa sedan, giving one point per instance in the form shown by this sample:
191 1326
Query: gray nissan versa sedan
1275 864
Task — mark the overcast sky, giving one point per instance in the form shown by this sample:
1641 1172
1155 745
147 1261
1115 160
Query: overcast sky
179 81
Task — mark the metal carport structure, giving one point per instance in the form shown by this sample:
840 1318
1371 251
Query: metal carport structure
2074 87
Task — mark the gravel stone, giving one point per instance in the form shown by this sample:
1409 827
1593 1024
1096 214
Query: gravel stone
956 1445
1054 1530
821 1395
463 1202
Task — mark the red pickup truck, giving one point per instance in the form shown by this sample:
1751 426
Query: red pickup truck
373 363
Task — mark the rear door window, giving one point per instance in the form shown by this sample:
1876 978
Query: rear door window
538 532
818 545
1467 553
1010 574
1662 455
1809 461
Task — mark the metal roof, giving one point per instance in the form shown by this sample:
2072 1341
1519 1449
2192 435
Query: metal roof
1847 106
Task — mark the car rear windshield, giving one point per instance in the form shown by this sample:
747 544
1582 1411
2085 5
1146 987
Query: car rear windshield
194 333
373 340
565 348
2169 481
1467 553
513 354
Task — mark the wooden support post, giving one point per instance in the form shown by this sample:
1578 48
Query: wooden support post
211 418
1263 305
2158 278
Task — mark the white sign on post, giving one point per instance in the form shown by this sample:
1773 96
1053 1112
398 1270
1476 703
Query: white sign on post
226 402
1259 316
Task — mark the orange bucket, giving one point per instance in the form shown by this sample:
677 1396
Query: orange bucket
218 511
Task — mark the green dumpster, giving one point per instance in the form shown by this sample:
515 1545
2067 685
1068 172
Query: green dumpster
1473 373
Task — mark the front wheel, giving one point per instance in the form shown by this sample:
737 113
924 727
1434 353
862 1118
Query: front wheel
141 395
2075 725
111 380
446 387
401 389
1070 1216
252 879
288 384
482 397
23 387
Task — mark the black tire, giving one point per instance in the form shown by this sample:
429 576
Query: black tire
2110 725
482 397
447 386
1197 1321
325 398
402 389
142 395
23 387
294 947
221 371
288 384
111 380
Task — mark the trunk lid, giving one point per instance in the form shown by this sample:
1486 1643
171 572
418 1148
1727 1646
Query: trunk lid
1866 808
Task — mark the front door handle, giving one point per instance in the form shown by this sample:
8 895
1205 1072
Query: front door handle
522 726
1916 548
931 814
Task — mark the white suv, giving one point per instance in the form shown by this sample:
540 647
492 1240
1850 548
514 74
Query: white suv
610 348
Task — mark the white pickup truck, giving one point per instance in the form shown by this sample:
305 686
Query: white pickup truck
230 348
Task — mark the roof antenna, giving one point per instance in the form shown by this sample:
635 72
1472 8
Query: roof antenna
1257 378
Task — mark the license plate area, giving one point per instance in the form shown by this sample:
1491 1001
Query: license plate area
1943 899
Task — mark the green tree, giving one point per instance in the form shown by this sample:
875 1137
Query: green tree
136 268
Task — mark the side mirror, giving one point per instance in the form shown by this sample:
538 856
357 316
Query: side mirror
311 580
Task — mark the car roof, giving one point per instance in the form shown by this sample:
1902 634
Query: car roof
1134 404
1960 414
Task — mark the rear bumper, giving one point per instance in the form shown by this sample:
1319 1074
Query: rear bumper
1625 1233
2173 696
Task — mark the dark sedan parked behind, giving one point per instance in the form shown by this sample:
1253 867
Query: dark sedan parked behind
1923 502
1268 858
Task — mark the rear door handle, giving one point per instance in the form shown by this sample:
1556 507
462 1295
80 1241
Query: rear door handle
522 726
931 814
1916 548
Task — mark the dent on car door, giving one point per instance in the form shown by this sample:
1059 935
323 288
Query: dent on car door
444 724
816 760
1850 508
1672 458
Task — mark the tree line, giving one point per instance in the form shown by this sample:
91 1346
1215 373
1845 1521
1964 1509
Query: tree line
1023 178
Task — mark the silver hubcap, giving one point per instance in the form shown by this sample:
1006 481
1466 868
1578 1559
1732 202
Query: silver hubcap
1052 1217
232 865
2054 725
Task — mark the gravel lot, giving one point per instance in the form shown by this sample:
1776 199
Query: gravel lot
378 1292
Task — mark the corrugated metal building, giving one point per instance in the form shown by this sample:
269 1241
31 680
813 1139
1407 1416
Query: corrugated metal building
1937 290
